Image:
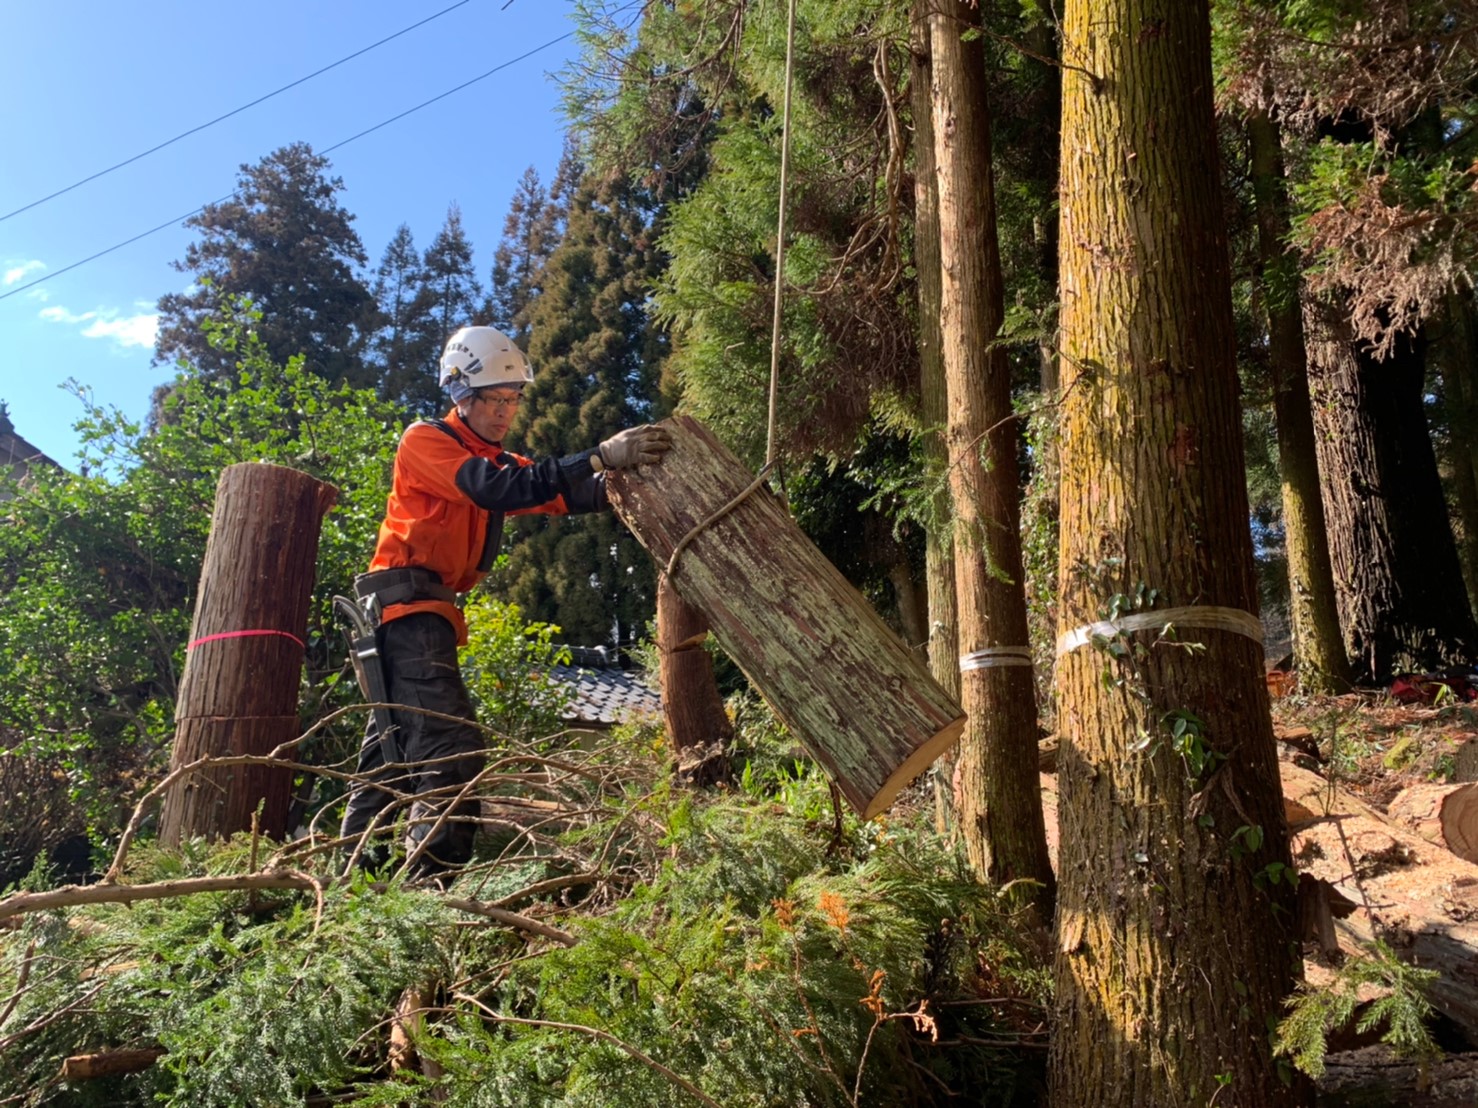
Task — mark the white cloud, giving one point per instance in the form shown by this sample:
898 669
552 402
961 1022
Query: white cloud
138 329
18 271
133 330
57 314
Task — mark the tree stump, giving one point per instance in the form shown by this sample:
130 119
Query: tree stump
1443 814
832 670
239 692
697 725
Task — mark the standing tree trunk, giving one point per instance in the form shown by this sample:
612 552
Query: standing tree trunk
939 565
697 725
1396 570
1175 950
1457 359
1000 807
239 692
1319 651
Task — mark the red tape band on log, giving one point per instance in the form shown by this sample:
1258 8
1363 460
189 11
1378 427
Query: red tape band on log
244 635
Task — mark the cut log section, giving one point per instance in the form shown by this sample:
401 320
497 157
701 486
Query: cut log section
1443 814
846 686
239 692
1418 897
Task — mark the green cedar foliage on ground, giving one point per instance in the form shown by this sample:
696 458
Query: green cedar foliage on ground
98 570
735 940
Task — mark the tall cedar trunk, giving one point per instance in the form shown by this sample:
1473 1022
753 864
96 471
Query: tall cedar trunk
1396 570
239 692
1173 954
1456 360
939 565
698 728
1318 648
1000 807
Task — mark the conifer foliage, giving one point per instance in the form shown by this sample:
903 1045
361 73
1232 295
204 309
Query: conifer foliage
284 242
596 356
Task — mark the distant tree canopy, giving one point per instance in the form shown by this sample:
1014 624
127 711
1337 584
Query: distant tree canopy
284 242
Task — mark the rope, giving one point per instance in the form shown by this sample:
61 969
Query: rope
780 238
774 404
714 518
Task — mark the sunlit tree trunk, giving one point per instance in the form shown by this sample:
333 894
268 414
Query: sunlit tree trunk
939 568
999 800
1175 947
1319 650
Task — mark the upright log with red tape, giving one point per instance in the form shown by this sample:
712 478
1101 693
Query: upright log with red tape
860 701
239 692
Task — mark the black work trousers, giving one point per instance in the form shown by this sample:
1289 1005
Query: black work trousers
420 657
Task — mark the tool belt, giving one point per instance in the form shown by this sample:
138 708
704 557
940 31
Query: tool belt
401 585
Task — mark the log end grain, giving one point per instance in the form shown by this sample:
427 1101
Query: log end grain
916 763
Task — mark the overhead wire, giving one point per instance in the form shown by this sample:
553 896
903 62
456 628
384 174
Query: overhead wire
368 130
234 111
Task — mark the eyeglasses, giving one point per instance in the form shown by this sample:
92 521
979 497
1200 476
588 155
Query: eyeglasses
501 403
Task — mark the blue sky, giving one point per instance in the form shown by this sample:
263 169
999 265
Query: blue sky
87 83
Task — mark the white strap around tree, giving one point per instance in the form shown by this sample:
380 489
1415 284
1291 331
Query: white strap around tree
1197 616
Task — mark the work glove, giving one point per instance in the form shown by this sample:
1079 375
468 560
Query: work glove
635 446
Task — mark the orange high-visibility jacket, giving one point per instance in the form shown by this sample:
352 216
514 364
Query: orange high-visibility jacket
449 495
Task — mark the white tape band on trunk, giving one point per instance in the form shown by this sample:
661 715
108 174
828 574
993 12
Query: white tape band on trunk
996 656
1198 616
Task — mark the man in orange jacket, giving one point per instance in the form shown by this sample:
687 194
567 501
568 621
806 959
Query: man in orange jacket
452 487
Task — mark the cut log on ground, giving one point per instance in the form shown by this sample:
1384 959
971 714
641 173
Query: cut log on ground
239 692
1418 897
1443 814
832 670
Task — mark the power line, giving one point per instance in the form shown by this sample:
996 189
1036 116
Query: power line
235 111
369 130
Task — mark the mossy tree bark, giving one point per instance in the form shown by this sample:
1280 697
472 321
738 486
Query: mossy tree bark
939 564
1000 806
1174 950
1319 649
1396 572
834 672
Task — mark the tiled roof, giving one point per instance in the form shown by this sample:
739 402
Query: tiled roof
605 693
17 456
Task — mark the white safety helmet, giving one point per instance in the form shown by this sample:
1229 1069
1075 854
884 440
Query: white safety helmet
480 358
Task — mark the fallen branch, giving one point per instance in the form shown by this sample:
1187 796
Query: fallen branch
70 896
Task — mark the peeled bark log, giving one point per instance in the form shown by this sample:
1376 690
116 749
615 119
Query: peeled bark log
239 693
1446 815
831 669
